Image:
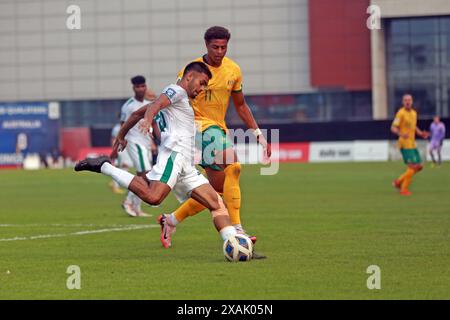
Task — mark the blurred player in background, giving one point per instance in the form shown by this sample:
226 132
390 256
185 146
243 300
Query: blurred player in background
405 127
437 136
140 146
22 144
121 161
210 106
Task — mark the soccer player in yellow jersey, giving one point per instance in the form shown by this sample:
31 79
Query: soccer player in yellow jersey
210 106
405 126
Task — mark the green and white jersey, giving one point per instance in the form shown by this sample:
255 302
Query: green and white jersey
115 130
176 122
135 135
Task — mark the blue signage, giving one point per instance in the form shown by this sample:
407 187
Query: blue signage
31 127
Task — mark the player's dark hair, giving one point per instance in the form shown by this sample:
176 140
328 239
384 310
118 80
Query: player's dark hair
217 32
137 80
199 67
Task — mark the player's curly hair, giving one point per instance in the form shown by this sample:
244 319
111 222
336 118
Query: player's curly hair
217 32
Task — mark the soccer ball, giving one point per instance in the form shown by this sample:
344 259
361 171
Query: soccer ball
238 248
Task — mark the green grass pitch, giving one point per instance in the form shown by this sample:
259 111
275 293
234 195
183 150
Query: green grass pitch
321 226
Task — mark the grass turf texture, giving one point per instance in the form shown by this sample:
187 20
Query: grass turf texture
321 226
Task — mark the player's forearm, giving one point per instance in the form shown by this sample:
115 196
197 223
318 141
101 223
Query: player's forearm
419 132
131 122
151 113
395 130
247 117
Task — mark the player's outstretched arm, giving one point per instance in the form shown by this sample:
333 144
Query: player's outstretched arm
246 115
152 110
120 142
147 112
395 130
423 134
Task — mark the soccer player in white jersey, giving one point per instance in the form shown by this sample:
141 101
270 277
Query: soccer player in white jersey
140 145
175 169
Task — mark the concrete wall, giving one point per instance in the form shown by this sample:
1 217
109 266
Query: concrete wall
40 59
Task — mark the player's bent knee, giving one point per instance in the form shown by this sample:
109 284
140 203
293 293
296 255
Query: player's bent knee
152 199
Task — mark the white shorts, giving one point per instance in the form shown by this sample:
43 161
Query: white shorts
140 156
178 172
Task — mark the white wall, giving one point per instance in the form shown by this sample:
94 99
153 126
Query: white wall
41 59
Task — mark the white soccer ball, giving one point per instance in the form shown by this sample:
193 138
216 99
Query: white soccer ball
238 248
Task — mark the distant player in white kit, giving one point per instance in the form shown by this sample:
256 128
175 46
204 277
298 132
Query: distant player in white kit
175 169
119 161
140 146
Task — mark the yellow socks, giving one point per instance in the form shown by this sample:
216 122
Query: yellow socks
232 192
407 178
189 208
231 195
402 177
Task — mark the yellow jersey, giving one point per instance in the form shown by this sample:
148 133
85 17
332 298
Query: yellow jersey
210 106
406 122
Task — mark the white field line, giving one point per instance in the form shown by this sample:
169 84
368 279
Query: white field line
66 225
81 233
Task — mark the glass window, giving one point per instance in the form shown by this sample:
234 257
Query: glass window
90 113
319 106
445 42
310 106
362 106
340 106
423 25
399 52
445 25
418 61
424 99
446 110
399 27
424 51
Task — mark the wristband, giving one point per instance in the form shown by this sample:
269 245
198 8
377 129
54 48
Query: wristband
257 132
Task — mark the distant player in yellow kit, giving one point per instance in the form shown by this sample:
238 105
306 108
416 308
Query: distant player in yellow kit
210 106
405 126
